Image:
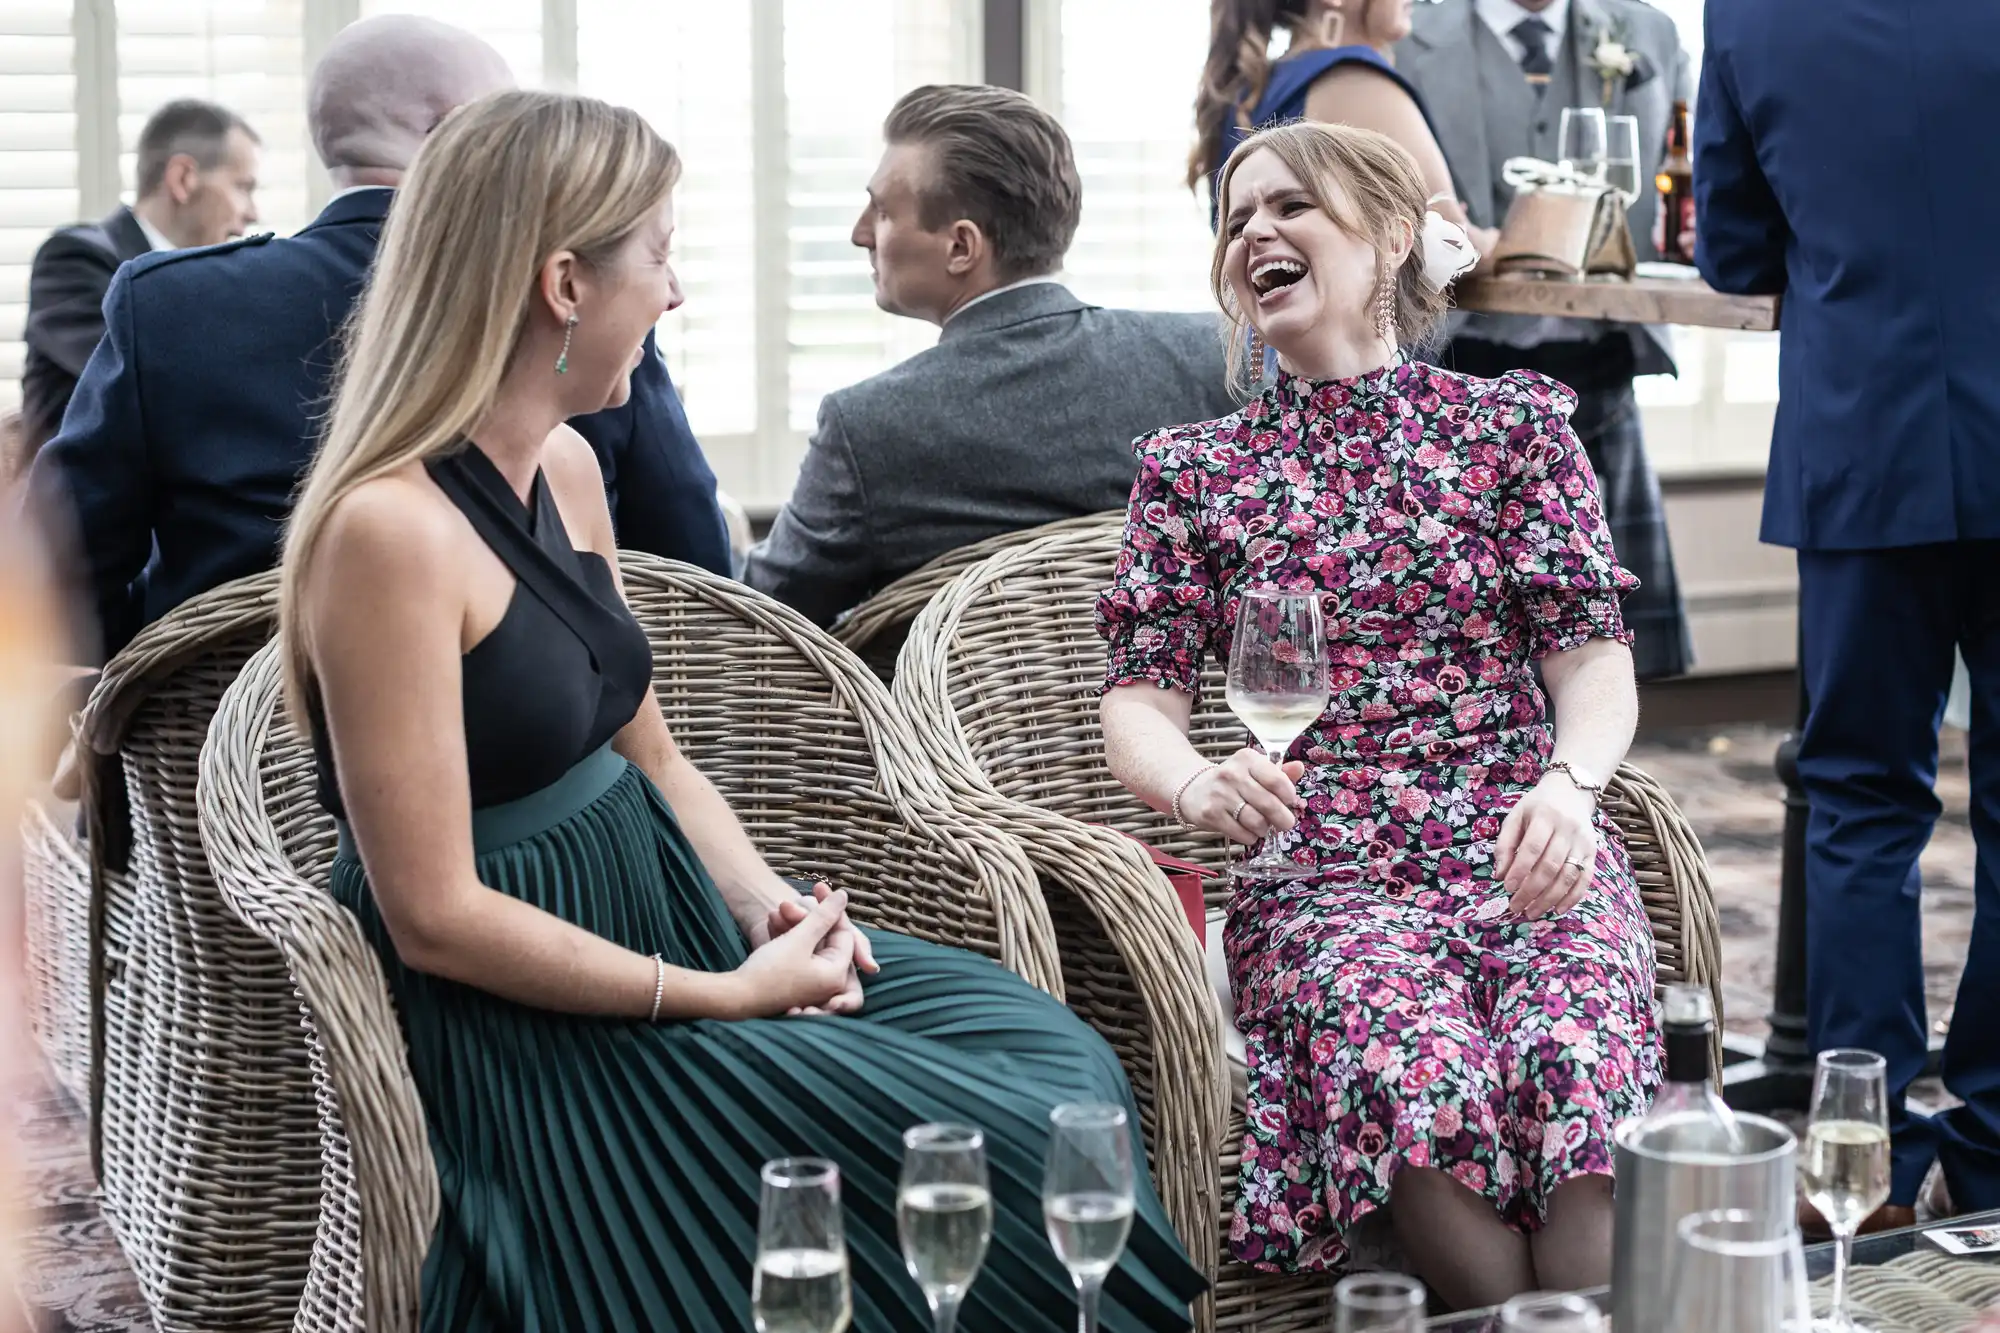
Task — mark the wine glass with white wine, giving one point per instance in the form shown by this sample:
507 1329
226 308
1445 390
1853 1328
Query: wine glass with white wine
1378 1303
1087 1196
801 1283
1844 1167
944 1214
1278 688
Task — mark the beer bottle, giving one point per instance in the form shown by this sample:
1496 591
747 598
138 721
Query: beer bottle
1675 182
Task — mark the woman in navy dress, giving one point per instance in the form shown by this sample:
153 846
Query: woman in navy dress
1336 70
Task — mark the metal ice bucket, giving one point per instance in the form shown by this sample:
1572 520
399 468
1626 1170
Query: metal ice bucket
1657 1186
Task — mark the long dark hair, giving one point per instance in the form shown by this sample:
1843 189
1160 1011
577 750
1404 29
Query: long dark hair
1238 69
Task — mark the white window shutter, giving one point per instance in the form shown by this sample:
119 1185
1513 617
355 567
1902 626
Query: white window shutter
38 166
249 56
1129 70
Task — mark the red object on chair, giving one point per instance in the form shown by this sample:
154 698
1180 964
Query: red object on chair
1186 878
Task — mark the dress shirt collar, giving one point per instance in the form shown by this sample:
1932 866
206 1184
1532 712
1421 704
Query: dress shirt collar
154 236
1503 16
1005 287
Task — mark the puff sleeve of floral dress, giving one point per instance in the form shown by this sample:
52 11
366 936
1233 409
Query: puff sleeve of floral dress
1393 1013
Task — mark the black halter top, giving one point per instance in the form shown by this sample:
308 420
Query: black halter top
563 671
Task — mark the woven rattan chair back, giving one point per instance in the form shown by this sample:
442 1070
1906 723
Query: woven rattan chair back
55 896
360 1194
193 1016
805 744
875 629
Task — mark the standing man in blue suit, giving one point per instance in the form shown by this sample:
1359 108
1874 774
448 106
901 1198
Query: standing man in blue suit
198 412
1844 157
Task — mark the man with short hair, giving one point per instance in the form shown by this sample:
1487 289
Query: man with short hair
198 415
1025 411
197 186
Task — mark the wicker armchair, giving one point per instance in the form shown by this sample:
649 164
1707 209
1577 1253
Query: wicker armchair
875 629
790 727
374 1201
190 1015
1000 674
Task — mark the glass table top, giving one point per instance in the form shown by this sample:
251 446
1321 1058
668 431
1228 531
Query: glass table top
1868 1252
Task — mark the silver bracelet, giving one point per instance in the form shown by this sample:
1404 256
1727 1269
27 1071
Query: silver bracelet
659 986
1181 791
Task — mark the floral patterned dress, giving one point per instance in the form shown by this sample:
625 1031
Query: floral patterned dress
1393 1013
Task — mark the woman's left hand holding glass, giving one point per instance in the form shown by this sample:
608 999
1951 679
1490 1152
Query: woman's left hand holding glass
1547 849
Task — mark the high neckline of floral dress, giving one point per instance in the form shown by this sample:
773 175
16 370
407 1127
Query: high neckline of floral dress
1302 391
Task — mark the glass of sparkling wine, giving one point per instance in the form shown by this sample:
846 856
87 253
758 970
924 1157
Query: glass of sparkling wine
1844 1169
944 1213
1378 1303
1087 1196
801 1284
1622 166
1278 688
1581 140
1551 1312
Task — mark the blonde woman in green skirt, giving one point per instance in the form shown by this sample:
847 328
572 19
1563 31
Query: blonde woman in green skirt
615 1010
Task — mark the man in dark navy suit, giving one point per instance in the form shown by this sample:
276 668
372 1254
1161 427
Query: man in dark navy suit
197 175
197 415
1844 156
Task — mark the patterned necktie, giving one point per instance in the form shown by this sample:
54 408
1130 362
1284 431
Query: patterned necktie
1536 62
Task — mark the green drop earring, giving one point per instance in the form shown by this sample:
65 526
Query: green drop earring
562 362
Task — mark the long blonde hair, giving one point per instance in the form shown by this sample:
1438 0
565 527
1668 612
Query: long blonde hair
501 185
1383 187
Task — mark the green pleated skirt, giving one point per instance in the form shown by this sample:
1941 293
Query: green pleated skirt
601 1174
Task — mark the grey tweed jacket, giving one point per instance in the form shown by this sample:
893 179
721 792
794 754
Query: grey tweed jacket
1024 413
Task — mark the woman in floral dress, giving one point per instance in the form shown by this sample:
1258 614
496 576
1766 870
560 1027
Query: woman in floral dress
1448 1017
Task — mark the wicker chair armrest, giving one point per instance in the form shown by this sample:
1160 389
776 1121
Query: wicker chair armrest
247 604
351 1022
1679 896
996 863
1114 880
1117 883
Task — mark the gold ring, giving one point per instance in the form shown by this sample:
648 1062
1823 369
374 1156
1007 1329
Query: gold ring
1236 817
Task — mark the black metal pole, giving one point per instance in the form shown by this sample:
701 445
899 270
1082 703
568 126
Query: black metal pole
1780 1078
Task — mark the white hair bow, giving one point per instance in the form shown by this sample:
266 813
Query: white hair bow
1447 251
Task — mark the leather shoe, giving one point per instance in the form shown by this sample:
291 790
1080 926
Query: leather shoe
1889 1217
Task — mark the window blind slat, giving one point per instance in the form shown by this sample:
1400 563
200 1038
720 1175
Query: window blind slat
38 163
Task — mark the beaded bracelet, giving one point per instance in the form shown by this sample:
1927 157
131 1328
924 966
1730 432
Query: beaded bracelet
659 986
1181 791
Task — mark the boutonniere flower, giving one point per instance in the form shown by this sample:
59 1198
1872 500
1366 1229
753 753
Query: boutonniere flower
1613 60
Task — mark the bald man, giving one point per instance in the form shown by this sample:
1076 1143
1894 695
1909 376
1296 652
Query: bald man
195 418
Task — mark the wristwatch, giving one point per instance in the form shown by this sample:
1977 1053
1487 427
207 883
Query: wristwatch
1579 778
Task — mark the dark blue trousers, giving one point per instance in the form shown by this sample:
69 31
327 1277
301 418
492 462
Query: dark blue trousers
1878 630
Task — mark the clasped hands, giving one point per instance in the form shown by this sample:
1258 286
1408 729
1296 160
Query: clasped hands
1544 855
810 957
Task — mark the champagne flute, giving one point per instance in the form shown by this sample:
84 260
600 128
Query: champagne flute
1584 138
1551 1312
944 1214
1087 1196
1844 1168
1622 158
1278 687
1378 1303
801 1282
1740 1271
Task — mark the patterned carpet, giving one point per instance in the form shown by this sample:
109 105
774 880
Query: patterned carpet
78 1281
